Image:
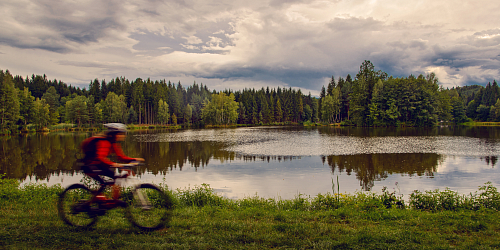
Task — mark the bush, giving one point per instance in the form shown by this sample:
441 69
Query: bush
199 196
346 123
8 189
487 197
326 202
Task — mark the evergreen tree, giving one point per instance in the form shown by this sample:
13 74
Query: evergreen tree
188 114
9 102
359 102
95 90
279 112
51 97
42 116
331 86
77 111
27 106
495 111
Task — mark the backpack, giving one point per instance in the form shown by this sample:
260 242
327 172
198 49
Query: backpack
89 147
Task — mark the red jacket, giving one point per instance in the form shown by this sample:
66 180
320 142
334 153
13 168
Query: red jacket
104 148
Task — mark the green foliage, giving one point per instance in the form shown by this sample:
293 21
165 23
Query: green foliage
77 111
436 200
163 115
222 109
370 99
52 99
9 102
114 108
9 189
199 197
42 114
27 106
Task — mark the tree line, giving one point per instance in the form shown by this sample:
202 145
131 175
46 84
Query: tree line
371 98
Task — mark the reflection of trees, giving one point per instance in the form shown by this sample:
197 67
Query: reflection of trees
490 160
164 156
375 167
39 155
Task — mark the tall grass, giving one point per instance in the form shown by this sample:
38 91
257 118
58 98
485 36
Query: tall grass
487 197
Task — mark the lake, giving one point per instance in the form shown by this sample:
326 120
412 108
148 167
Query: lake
279 162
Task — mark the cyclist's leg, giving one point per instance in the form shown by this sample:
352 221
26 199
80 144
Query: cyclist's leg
108 172
93 172
105 170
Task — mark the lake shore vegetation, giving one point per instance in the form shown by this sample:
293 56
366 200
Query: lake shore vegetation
203 219
370 98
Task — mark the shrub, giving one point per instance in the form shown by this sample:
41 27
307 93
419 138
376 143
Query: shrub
487 197
199 196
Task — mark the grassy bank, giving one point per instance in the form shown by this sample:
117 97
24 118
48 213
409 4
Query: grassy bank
204 220
489 124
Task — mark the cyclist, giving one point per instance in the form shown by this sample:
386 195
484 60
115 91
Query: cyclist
98 148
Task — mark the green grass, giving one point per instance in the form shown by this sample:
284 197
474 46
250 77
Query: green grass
205 220
473 123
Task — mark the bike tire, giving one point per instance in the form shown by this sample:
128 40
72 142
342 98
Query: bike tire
74 206
152 211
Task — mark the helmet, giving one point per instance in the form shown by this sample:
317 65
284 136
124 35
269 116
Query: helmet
115 127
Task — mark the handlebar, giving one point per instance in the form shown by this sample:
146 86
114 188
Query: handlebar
132 164
128 168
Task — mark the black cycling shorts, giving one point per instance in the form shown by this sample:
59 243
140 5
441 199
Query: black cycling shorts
102 169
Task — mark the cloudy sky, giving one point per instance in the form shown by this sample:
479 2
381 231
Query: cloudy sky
236 44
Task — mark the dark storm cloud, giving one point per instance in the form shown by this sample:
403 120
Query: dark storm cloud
42 43
83 64
464 56
55 27
82 31
302 78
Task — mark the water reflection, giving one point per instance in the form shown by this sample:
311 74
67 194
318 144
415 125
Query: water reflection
376 167
368 155
39 155
490 160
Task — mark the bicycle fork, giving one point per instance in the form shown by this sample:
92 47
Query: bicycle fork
144 201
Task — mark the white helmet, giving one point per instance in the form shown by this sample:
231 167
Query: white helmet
116 127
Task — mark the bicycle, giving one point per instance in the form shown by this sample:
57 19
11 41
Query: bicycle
146 205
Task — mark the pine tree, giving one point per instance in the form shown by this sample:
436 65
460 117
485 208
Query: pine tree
9 102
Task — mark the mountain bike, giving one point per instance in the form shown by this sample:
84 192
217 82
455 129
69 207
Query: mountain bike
146 206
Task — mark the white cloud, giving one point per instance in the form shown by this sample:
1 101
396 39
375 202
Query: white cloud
251 43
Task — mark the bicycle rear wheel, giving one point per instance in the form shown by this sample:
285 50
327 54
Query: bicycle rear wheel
74 206
149 207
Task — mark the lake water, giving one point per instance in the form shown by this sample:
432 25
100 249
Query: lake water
280 162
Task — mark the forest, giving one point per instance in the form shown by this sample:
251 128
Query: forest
371 98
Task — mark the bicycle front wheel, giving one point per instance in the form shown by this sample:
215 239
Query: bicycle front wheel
149 207
74 206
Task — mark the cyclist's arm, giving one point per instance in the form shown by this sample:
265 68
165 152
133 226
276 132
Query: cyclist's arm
121 156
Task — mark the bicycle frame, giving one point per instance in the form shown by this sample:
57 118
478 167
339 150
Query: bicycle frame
142 212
